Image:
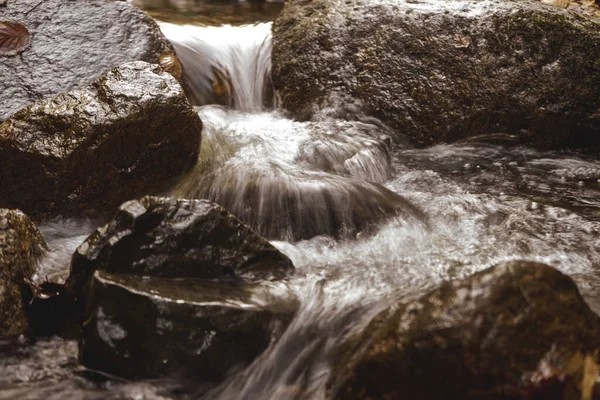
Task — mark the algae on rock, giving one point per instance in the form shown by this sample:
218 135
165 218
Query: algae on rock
21 244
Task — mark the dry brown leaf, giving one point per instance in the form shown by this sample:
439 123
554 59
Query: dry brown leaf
557 3
461 41
590 375
170 63
14 38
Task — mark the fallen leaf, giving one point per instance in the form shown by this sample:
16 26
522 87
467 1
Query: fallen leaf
14 38
557 3
461 41
170 63
590 375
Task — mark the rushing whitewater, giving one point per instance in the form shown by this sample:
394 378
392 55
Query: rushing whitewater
434 214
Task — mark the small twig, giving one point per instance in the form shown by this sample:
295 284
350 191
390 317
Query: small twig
34 7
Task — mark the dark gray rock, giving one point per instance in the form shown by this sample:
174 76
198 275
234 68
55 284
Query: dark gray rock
20 246
150 327
440 71
490 336
165 237
73 43
128 134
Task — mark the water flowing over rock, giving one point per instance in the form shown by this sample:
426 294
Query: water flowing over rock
228 65
488 336
73 43
439 71
291 180
171 326
20 246
128 134
164 237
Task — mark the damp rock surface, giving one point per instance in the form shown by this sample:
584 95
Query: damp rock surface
151 327
72 44
488 336
164 237
21 244
441 71
127 134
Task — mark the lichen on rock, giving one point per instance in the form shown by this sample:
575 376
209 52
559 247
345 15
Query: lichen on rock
21 244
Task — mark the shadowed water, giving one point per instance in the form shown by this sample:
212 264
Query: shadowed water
464 207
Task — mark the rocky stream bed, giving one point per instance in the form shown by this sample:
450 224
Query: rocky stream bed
327 199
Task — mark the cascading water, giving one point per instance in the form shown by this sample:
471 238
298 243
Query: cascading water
476 204
378 220
227 65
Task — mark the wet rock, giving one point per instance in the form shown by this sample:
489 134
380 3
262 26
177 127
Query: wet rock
489 336
129 133
179 325
440 71
166 237
20 246
73 43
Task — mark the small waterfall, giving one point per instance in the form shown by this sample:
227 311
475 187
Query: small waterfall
286 179
228 65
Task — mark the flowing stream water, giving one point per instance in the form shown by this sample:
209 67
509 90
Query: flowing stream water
451 210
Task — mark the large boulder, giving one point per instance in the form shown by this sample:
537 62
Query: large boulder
20 246
73 43
164 237
499 334
129 133
441 70
152 327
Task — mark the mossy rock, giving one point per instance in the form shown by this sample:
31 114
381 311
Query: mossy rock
21 244
441 71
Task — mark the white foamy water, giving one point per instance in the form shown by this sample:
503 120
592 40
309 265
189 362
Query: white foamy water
227 64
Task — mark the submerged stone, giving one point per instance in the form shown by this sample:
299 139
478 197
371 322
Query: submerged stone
294 180
443 70
21 244
491 335
127 134
73 43
156 236
142 327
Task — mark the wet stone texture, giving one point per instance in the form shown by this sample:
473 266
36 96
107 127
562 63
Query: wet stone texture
127 134
164 237
20 245
151 327
490 336
73 43
440 71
